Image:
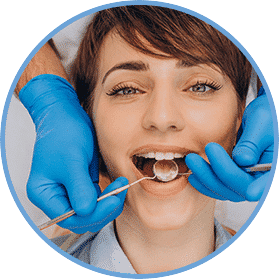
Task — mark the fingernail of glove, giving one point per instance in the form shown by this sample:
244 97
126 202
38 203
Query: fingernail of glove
122 180
245 152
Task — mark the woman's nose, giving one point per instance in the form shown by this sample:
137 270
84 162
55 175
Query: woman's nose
163 112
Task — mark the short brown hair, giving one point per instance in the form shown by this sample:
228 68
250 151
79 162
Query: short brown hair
173 33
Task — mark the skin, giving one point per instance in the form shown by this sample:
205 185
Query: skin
45 61
167 224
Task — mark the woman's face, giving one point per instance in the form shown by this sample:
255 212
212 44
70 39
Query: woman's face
163 108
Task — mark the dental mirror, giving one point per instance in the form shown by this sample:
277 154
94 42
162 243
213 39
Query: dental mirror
165 170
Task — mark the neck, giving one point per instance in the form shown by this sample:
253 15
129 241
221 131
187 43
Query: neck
153 251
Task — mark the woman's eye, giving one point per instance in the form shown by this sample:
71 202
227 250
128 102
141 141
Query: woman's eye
128 91
124 91
200 88
205 88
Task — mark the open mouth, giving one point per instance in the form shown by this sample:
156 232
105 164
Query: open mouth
144 162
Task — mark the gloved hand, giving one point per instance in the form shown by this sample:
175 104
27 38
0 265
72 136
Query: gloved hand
65 168
224 178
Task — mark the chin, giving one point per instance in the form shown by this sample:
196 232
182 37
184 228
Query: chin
171 212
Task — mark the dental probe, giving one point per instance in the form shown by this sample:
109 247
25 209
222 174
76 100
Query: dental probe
259 167
72 212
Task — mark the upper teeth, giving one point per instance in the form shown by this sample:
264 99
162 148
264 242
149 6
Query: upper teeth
161 156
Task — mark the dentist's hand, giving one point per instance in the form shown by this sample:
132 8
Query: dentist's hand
65 168
224 178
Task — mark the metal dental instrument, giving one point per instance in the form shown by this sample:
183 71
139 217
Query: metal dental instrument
164 170
72 212
259 167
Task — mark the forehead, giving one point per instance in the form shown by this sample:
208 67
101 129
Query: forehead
115 51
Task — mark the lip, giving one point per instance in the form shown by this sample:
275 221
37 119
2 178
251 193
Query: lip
159 148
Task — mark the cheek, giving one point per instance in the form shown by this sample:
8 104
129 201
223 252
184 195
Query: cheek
215 123
115 129
114 126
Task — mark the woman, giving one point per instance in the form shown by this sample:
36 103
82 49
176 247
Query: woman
158 84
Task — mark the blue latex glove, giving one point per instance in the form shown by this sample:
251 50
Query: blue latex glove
224 178
65 167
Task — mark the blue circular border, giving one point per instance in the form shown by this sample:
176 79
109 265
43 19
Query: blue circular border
3 151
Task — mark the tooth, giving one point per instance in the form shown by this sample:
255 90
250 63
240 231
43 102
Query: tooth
159 156
177 155
145 155
151 155
169 156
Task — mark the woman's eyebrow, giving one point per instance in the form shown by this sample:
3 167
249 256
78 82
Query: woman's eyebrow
184 64
129 65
